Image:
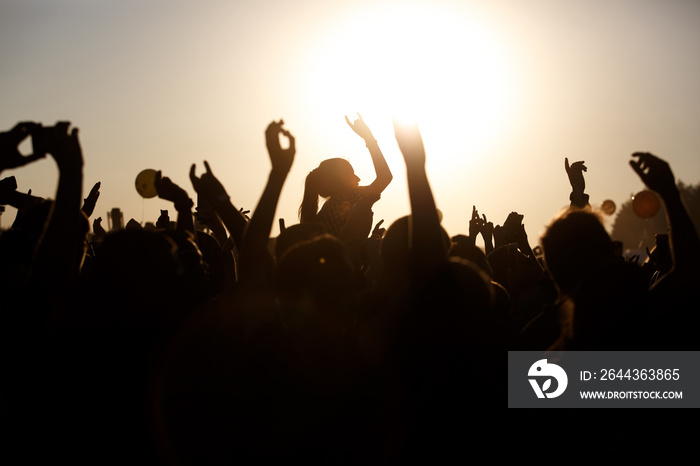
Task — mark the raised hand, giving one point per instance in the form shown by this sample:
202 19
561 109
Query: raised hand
254 253
208 186
509 231
169 191
486 228
10 157
654 172
475 224
8 187
410 143
487 234
513 222
499 236
281 159
578 184
64 146
98 229
378 232
426 233
361 128
91 200
575 172
212 192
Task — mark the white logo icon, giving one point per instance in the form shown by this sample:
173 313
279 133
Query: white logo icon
543 369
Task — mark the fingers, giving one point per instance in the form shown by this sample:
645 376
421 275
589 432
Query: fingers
637 167
206 165
292 142
22 129
377 230
31 158
95 189
351 124
272 135
643 155
274 126
62 126
193 177
475 214
566 163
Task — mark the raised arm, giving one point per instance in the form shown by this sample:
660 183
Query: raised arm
475 225
683 237
381 168
254 251
578 185
169 191
206 216
211 189
10 157
59 253
10 196
90 201
425 231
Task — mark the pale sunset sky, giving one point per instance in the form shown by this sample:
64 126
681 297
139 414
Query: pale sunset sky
503 91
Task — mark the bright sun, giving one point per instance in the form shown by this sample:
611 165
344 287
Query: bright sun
418 60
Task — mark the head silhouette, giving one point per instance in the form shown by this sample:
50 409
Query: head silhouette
574 245
315 281
333 177
295 234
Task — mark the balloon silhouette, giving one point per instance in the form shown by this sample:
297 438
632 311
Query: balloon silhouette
145 183
608 207
645 204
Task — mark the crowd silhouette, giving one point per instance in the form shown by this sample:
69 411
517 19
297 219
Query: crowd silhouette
343 344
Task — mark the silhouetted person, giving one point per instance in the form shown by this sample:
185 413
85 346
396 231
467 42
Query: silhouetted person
674 294
335 181
602 299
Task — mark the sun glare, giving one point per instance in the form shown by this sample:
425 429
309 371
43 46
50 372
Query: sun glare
414 61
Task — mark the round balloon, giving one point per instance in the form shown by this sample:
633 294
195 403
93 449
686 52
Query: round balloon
608 207
645 204
145 183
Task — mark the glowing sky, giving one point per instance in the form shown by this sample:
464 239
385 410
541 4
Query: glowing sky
503 91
